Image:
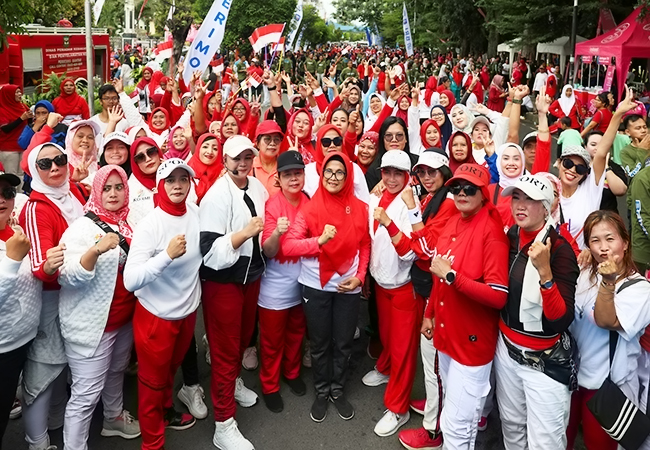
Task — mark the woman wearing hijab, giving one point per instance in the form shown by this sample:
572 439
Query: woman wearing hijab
497 94
20 300
145 160
367 150
461 118
459 149
70 104
116 151
96 310
568 106
268 142
179 144
330 235
439 114
470 287
230 126
13 118
376 104
429 135
207 163
534 404
82 143
53 205
447 100
42 109
163 271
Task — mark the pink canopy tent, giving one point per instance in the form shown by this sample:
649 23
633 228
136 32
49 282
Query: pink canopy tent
631 39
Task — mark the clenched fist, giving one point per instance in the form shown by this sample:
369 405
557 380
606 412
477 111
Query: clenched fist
108 242
54 259
328 234
177 246
283 225
254 227
17 246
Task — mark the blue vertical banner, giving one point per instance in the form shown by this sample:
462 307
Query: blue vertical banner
369 36
294 26
408 39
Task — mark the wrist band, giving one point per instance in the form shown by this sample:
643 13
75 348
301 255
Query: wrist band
272 88
516 101
415 216
392 229
604 283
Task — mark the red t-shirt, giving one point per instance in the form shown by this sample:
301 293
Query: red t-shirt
602 117
122 306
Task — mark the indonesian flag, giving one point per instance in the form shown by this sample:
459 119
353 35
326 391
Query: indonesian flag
254 79
279 47
263 36
164 50
346 50
217 64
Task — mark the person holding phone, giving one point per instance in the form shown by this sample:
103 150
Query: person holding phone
534 404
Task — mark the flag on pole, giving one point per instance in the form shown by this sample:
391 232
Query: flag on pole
170 14
279 47
164 50
294 25
263 36
141 10
217 64
346 50
207 40
369 36
297 46
254 79
408 39
97 9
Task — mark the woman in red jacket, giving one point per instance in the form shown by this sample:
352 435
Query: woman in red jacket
70 104
470 268
13 119
497 94
568 106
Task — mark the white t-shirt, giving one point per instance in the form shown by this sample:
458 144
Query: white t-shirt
122 125
141 200
360 187
633 312
585 200
540 81
279 288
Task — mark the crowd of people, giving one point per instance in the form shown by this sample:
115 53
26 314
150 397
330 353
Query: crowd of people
400 181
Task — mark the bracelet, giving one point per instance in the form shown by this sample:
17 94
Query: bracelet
544 131
272 88
415 216
392 229
606 284
516 101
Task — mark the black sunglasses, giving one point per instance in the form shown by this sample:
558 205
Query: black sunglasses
581 169
46 163
8 192
327 142
150 152
469 189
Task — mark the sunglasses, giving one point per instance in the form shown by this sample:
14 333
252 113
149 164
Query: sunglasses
46 163
327 142
420 172
8 192
268 139
399 137
150 152
469 189
581 169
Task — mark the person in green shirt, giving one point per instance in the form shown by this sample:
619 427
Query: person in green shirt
638 201
568 136
347 72
241 68
287 64
310 64
635 156
321 68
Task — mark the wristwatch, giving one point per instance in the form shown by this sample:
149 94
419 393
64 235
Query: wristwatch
450 277
547 284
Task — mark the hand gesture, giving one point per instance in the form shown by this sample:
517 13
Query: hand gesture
489 146
408 198
415 93
328 234
320 121
348 285
199 91
177 246
311 81
584 258
187 132
378 189
108 242
376 70
332 70
286 77
481 109
353 120
53 259
511 91
542 102
181 67
440 266
521 91
118 84
283 225
115 114
81 172
39 122
474 82
628 103
379 214
345 92
540 255
254 227
268 78
29 114
17 246
329 83
305 91
294 145
53 119
427 328
609 269
191 107
256 106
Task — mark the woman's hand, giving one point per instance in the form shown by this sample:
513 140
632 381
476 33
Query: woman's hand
282 225
256 106
609 269
320 121
379 214
177 246
348 285
354 124
540 256
29 114
115 114
17 246
440 266
489 147
311 81
542 102
628 103
378 189
108 242
584 258
427 328
293 145
329 232
254 227
408 198
53 119
53 259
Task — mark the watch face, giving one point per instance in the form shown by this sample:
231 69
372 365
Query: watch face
451 276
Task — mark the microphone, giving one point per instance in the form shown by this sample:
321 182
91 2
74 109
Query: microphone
234 172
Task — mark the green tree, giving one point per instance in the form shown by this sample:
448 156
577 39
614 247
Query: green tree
14 14
313 28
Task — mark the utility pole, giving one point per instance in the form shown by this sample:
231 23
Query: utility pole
90 65
574 28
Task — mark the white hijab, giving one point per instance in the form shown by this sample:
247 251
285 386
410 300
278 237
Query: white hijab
371 118
70 207
504 180
470 118
566 103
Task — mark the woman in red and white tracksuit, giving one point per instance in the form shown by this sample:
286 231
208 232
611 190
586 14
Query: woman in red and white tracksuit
53 205
163 271
400 308
470 271
281 316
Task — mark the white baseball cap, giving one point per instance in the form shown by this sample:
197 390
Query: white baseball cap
534 186
169 165
484 120
236 144
115 136
397 159
433 159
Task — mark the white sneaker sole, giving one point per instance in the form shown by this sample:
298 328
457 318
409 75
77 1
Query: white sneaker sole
214 442
113 433
186 401
374 383
414 409
246 405
400 423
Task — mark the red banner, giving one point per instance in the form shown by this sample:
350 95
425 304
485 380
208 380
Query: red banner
604 60
586 59
62 59
609 78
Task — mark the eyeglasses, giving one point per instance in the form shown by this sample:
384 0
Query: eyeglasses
150 152
8 192
46 163
581 169
327 142
399 137
437 116
268 139
111 99
420 172
239 109
339 175
469 189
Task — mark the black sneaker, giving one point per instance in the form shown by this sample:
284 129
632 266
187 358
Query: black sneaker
343 407
297 386
319 409
175 420
274 402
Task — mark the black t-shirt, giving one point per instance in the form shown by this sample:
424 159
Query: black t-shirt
609 201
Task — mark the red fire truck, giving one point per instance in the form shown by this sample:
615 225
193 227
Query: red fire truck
42 50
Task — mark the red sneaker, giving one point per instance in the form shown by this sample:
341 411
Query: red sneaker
419 439
418 405
482 424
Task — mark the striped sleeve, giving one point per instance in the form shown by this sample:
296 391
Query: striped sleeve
39 228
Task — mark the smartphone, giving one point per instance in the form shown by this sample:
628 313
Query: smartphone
546 235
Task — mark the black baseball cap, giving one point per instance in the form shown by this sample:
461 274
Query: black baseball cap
290 160
10 178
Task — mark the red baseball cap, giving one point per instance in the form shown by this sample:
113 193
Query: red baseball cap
268 127
478 175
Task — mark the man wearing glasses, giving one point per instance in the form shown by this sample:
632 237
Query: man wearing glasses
109 99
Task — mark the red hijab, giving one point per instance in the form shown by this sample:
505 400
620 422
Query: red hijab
143 83
343 210
10 110
70 105
150 122
147 180
247 114
430 88
172 151
95 204
223 139
207 174
306 147
318 151
451 97
162 200
206 99
402 113
469 159
423 133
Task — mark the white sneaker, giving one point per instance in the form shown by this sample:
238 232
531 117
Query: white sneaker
228 437
244 396
207 349
124 426
249 361
192 397
375 378
44 445
390 423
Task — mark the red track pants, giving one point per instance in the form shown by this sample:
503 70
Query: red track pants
593 434
229 314
400 318
161 346
281 333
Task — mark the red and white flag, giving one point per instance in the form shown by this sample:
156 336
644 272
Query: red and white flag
164 50
346 50
254 79
217 64
263 36
279 47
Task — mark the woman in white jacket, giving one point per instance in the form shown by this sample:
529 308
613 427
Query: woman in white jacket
20 300
95 310
400 309
163 271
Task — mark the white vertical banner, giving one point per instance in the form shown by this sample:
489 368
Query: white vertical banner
208 39
408 39
294 25
170 15
97 10
297 46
